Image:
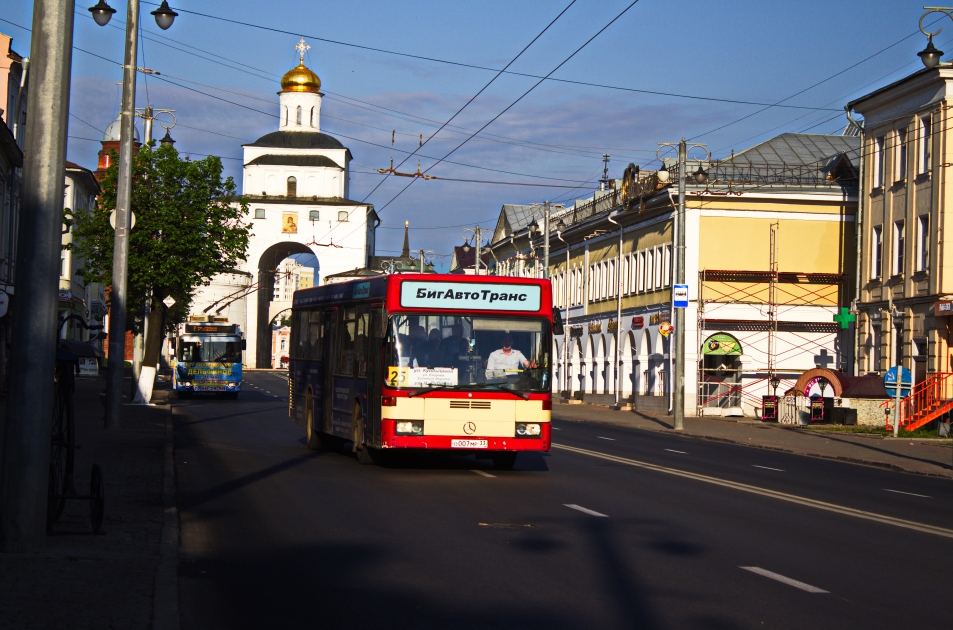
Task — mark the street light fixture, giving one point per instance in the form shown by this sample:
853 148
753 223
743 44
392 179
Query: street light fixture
102 13
700 175
164 15
533 228
930 56
466 246
663 174
775 381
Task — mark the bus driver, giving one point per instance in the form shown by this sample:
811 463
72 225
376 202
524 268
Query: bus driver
507 358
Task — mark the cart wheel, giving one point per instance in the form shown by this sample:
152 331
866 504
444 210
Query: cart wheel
97 501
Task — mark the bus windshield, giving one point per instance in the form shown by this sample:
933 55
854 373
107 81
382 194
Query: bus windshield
195 349
452 351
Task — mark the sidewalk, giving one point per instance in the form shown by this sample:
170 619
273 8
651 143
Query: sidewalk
925 457
120 578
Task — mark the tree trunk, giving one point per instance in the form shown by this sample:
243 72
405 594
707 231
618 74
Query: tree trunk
150 355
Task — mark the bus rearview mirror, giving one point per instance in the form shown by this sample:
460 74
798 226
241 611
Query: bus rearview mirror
557 323
244 344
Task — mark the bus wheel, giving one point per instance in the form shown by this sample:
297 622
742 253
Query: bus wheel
362 451
315 443
504 461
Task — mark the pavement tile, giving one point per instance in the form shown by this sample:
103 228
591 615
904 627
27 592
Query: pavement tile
104 581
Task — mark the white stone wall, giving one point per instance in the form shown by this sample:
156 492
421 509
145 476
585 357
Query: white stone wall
310 104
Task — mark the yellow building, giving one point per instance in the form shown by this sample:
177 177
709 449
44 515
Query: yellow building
769 242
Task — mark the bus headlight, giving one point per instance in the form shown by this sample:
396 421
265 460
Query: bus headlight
410 427
528 429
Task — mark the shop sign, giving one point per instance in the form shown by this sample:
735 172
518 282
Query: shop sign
943 308
721 344
595 328
65 296
613 325
655 319
665 329
638 322
575 331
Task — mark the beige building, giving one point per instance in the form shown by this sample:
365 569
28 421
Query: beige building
769 241
905 271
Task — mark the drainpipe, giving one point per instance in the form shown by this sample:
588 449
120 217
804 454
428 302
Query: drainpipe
858 236
618 314
566 336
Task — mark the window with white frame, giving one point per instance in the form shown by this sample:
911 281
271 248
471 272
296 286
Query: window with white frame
899 247
667 271
926 138
650 270
589 289
901 154
879 161
626 262
877 259
923 246
641 271
658 267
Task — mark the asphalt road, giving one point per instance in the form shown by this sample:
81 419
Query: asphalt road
627 534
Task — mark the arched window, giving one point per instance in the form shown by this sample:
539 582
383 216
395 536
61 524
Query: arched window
298 115
312 117
286 116
292 187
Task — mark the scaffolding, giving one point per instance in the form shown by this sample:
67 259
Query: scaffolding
773 293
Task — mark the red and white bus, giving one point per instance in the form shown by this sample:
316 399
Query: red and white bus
424 361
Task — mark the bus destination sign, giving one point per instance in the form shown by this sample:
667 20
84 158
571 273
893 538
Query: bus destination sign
477 296
222 329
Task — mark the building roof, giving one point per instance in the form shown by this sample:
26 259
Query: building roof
86 174
294 160
112 131
797 149
297 140
514 218
890 86
463 259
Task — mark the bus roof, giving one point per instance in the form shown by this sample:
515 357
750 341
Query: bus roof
414 292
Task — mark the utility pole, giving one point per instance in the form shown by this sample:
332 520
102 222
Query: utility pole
479 243
679 399
117 313
26 445
546 210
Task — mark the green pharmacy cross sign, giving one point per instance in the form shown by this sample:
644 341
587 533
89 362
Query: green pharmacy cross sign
844 318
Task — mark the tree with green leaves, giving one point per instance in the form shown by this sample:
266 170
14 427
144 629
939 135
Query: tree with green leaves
189 227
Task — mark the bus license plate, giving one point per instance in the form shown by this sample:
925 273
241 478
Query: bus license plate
468 444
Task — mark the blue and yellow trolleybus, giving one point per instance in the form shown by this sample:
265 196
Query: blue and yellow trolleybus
208 359
424 361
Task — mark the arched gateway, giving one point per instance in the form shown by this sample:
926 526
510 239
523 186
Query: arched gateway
296 180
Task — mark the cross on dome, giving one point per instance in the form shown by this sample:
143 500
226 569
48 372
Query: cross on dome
302 48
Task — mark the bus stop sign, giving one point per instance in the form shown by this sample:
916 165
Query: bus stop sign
890 382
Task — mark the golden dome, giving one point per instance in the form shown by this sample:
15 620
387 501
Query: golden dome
300 79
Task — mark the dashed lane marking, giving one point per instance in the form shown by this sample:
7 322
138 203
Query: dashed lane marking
784 580
605 438
483 473
765 492
672 450
767 468
573 506
912 494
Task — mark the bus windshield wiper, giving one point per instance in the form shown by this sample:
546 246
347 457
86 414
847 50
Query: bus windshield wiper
499 388
442 388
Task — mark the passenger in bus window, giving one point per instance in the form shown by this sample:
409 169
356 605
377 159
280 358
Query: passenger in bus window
427 353
453 347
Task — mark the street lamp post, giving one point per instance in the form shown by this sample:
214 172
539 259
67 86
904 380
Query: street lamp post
478 242
700 177
560 226
26 447
930 56
117 316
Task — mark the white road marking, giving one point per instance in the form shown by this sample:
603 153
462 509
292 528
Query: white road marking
555 429
765 492
672 450
785 580
767 468
605 438
483 473
573 506
909 493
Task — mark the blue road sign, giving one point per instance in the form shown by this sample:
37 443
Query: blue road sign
890 382
680 296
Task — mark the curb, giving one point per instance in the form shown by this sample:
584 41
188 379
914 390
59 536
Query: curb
839 458
165 594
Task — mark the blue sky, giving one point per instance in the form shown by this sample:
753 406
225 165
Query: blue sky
741 50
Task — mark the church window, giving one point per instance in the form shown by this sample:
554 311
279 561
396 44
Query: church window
342 215
312 117
259 213
286 116
298 115
314 215
292 187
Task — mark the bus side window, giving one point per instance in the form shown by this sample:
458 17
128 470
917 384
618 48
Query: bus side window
361 341
299 335
345 347
315 330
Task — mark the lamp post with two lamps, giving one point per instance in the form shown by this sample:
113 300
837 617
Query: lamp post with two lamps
164 17
476 233
700 177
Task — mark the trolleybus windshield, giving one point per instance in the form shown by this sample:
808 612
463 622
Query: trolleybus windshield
453 351
201 349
